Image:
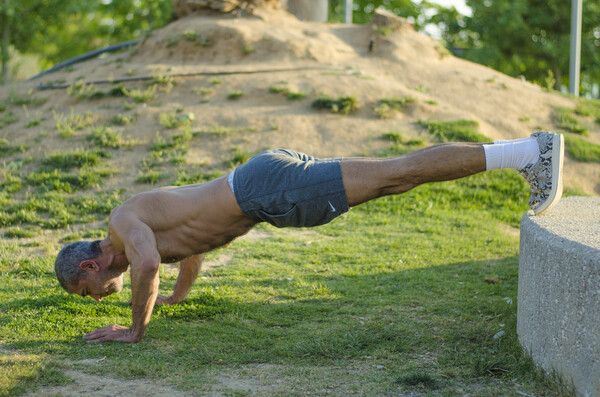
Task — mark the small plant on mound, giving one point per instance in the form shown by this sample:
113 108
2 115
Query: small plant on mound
151 177
175 119
289 94
344 105
142 96
77 158
7 119
67 126
234 95
106 137
239 157
122 119
567 121
6 149
454 130
581 149
81 90
389 106
25 100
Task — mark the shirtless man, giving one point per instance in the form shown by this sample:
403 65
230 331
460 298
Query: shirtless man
284 188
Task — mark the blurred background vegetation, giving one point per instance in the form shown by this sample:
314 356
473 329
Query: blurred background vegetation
528 38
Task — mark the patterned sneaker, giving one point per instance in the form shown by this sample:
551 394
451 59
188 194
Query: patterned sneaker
545 176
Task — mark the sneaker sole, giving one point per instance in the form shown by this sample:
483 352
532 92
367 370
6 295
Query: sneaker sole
558 154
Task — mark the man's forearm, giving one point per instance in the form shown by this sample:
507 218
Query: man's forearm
188 271
144 288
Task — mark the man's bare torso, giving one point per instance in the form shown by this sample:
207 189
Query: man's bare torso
185 220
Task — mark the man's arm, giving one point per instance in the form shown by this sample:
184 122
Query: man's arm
188 271
144 259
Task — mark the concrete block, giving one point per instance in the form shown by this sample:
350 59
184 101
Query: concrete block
558 315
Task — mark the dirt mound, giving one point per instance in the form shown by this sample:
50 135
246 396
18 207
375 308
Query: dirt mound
245 84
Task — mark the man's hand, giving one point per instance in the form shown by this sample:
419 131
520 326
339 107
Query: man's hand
166 300
112 333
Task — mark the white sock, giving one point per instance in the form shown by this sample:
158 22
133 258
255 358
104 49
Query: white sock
517 154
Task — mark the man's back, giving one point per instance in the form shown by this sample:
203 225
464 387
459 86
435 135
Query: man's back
185 220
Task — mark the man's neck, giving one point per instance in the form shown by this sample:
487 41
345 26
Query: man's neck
114 259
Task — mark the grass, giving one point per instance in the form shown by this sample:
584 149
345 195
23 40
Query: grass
343 105
106 137
6 149
582 150
566 120
387 107
454 130
289 94
175 119
142 96
390 299
68 126
7 119
74 158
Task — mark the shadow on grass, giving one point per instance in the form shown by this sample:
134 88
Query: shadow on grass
449 312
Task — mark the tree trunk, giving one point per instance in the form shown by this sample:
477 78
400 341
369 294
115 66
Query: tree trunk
309 10
5 44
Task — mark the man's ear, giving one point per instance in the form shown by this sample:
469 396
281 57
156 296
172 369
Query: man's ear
89 266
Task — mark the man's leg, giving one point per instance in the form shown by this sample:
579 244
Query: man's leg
368 178
538 158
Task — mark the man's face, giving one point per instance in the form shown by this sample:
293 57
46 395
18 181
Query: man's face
98 285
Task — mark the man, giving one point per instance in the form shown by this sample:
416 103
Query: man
284 188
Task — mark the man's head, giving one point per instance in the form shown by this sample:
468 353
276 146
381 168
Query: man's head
82 269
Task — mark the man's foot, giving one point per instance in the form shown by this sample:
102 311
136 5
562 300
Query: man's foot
545 176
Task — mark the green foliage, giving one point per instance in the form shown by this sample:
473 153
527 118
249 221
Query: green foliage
455 130
54 30
18 99
524 37
289 94
7 119
363 10
581 149
344 105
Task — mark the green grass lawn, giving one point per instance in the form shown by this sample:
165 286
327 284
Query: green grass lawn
400 295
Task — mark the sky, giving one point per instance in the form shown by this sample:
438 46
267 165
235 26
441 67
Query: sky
459 4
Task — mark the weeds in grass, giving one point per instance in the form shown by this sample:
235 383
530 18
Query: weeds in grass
9 182
18 232
240 156
388 107
28 99
234 95
67 126
248 49
151 177
165 82
289 94
122 119
418 378
216 81
81 90
455 130
7 119
6 149
582 150
74 158
142 96
343 105
106 137
171 120
567 121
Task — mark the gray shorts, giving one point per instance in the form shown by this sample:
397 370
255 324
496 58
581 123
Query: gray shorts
290 189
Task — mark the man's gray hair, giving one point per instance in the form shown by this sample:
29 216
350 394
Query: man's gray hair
68 259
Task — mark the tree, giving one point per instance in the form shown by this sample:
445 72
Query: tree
363 10
524 37
61 29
